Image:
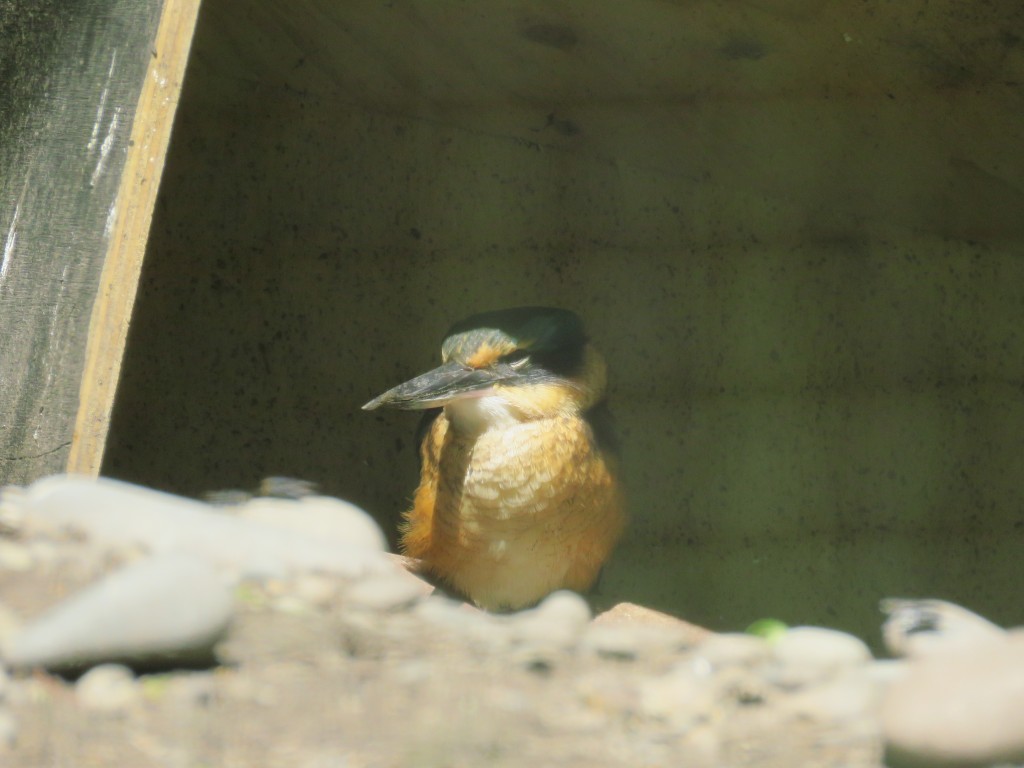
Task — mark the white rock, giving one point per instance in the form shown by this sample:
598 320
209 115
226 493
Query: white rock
107 688
963 706
805 655
821 646
733 649
171 607
455 616
884 672
117 515
386 592
322 517
916 628
558 621
564 606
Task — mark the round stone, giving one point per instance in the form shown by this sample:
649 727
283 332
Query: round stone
806 655
165 608
734 649
558 621
107 688
960 707
320 517
386 592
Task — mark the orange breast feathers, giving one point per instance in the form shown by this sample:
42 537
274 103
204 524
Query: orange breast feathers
511 514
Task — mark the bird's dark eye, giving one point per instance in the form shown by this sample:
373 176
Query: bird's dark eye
517 359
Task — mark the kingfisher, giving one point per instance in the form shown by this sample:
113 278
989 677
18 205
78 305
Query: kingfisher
519 493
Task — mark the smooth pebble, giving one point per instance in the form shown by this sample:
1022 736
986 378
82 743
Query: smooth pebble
116 514
386 592
733 649
320 517
558 621
806 655
964 706
168 608
107 688
915 628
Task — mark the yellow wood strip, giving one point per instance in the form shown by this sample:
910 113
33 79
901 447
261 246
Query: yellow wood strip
112 310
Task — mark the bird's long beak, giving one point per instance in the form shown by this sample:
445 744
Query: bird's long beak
437 387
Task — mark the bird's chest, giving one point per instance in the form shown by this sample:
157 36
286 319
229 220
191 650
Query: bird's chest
510 482
507 515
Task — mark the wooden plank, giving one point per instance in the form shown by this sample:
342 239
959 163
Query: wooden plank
71 75
111 313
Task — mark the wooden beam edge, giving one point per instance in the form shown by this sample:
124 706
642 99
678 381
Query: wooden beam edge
136 198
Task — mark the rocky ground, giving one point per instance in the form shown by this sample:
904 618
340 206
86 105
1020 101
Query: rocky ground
309 663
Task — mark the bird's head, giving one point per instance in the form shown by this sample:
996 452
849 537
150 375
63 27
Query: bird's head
509 365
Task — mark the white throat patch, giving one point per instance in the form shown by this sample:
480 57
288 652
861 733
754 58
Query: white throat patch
473 415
